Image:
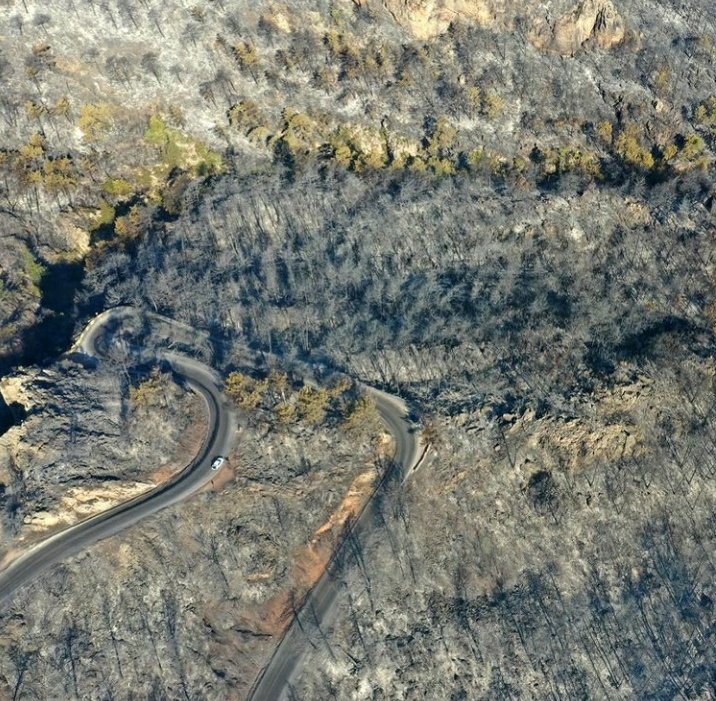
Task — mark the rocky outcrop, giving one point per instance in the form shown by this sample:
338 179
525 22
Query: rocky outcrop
613 432
83 446
428 18
589 23
81 502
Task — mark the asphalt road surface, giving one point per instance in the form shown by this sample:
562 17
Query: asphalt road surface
273 684
74 539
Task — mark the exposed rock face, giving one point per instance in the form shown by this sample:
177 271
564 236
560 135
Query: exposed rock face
81 502
589 22
428 18
83 446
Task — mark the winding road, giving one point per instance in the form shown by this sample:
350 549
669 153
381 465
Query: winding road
202 380
273 683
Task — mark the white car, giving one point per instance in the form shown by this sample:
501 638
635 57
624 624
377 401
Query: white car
218 462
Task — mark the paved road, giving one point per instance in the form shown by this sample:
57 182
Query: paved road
218 441
273 683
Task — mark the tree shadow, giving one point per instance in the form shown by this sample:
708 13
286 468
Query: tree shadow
55 320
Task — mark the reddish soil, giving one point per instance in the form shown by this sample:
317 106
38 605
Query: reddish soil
310 561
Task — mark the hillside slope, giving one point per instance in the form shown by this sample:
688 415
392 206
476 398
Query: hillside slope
502 211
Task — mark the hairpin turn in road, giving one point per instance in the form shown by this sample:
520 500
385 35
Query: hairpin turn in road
274 681
218 441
